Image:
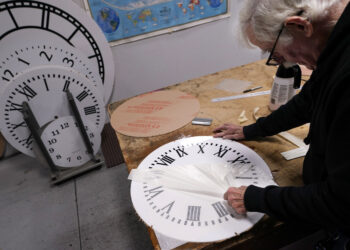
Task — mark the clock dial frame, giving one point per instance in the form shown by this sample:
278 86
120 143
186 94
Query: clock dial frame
44 88
65 20
193 217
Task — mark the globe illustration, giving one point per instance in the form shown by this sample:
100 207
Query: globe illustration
108 20
214 3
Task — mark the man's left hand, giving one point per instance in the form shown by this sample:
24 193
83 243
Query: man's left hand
235 198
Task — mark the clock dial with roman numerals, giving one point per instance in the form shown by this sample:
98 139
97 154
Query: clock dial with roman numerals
44 88
66 22
197 218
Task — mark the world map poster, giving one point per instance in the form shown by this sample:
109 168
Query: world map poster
129 20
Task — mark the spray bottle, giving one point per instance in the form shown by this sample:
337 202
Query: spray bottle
285 84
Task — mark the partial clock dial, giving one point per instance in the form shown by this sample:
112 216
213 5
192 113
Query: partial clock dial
44 88
193 217
64 20
17 58
64 142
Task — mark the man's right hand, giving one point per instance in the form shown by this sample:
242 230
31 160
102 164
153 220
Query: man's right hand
229 131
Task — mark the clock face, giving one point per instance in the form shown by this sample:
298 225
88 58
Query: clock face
17 58
193 217
44 89
64 142
63 20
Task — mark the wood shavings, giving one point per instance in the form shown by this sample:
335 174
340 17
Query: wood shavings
261 112
255 113
242 118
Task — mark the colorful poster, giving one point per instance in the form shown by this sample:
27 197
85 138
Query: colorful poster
129 20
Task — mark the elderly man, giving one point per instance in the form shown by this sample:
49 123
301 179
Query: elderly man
314 33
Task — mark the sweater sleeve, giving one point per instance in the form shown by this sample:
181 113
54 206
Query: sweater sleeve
294 113
325 203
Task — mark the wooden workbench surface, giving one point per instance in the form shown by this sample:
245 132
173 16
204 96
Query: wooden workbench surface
204 88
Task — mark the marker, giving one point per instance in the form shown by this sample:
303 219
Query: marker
252 89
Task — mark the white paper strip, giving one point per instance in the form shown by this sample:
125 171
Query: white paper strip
293 139
295 153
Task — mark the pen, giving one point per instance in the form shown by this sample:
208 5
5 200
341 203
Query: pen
252 89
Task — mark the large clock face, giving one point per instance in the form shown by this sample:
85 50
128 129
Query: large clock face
44 89
50 51
191 217
63 20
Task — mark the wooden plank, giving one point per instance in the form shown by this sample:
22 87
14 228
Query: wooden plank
34 215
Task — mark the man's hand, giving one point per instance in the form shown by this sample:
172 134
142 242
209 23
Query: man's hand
229 131
235 198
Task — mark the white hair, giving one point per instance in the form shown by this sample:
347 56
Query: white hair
266 17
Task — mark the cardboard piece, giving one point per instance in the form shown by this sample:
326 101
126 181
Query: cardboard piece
155 113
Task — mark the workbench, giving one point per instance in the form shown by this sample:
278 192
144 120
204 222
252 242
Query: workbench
268 233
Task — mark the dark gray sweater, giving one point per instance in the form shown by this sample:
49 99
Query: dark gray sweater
324 101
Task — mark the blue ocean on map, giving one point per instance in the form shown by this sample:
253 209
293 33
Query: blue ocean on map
121 19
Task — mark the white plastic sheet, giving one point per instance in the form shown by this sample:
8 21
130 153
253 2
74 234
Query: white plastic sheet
204 179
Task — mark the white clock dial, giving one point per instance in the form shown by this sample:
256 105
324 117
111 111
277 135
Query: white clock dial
192 217
44 88
17 58
64 142
64 20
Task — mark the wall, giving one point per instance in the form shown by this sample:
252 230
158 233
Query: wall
164 60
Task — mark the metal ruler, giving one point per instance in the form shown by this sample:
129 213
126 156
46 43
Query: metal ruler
233 97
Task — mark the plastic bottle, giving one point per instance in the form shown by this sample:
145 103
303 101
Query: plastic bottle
285 84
